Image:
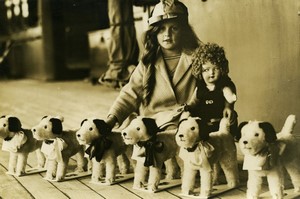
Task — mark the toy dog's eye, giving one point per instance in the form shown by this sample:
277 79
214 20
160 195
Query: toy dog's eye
45 127
4 125
192 128
256 134
138 128
90 128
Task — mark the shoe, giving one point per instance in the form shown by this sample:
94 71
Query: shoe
108 82
120 82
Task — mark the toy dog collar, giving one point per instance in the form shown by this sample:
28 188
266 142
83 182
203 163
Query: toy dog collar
13 144
49 141
98 148
8 138
151 147
193 148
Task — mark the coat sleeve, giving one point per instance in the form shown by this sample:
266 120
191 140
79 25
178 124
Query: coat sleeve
130 96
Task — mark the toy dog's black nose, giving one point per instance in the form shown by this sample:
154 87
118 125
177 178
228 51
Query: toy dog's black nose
124 134
181 136
78 135
245 142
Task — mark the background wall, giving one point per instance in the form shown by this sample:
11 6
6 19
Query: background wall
262 42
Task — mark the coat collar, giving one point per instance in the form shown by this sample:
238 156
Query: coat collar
184 64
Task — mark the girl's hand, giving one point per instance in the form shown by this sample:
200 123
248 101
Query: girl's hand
111 120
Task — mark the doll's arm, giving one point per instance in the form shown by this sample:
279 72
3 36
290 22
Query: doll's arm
229 95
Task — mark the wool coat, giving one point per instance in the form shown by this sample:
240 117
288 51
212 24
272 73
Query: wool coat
168 95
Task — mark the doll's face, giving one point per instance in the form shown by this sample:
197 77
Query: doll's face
169 35
210 73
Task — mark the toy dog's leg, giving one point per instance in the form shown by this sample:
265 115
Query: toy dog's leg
294 172
172 169
180 163
123 164
62 169
110 167
90 165
188 179
81 162
231 172
97 170
216 173
13 157
275 181
40 158
206 182
51 169
254 184
140 174
154 178
21 164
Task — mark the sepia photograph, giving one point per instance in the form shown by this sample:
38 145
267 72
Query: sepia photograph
149 99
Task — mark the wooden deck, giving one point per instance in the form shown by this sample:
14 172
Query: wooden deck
30 100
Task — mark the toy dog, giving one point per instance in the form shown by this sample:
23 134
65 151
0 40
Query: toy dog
201 151
266 153
105 149
58 146
151 150
19 142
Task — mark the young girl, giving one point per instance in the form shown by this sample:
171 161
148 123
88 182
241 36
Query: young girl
163 79
216 93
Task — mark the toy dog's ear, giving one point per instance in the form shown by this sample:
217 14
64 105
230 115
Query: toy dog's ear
203 129
56 126
270 133
3 116
14 124
239 131
102 126
44 117
151 126
83 122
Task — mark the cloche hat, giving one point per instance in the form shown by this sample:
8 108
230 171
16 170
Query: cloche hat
168 9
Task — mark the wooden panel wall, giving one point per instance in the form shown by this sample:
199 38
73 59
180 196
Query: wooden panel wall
262 42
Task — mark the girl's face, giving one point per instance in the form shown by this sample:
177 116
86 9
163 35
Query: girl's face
210 73
169 36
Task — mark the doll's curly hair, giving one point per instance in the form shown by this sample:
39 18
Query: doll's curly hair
209 52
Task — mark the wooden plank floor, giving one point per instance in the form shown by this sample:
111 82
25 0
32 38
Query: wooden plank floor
30 100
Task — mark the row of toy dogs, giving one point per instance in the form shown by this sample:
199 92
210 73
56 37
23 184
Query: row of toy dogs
195 149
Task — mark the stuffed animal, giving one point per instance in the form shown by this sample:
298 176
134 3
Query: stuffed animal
151 150
202 151
105 148
19 142
266 153
58 146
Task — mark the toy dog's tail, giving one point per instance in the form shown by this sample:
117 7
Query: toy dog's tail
288 127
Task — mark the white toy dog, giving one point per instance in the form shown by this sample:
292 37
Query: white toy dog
201 151
19 142
266 153
105 149
151 150
58 146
